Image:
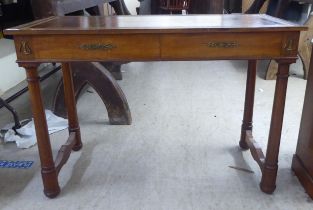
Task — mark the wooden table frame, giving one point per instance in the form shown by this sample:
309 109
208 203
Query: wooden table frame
124 38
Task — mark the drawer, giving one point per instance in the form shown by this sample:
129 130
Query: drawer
221 46
91 47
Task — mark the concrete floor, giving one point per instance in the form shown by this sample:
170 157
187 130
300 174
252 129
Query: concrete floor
177 152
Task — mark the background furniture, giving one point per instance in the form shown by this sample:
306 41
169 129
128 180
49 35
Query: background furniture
46 8
175 5
102 81
233 6
207 7
17 123
302 163
262 8
196 6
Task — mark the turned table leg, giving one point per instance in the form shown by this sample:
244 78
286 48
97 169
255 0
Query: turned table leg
71 105
48 170
249 102
270 167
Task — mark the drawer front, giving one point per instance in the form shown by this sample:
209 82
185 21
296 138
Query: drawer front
89 48
221 46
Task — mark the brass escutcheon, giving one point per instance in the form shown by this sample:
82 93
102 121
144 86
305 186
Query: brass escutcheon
97 46
25 49
289 45
222 44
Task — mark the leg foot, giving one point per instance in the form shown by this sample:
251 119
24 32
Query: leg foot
52 194
243 145
77 147
268 182
79 143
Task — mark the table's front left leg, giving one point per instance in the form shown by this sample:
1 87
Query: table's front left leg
270 167
48 170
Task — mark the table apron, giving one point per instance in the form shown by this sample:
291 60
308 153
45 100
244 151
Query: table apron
155 47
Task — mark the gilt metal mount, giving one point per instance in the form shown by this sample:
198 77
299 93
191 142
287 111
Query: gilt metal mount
222 44
25 49
289 45
97 46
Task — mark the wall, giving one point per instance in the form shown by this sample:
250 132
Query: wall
11 74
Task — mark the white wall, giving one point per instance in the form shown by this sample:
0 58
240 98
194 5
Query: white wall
131 5
10 73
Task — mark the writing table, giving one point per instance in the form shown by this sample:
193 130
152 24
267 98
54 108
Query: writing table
156 38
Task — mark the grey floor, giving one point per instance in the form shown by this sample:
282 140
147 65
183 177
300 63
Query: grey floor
177 152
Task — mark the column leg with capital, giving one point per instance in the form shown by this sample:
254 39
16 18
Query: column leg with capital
270 167
48 171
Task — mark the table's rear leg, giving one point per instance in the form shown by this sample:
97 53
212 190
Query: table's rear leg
71 105
249 102
48 170
270 167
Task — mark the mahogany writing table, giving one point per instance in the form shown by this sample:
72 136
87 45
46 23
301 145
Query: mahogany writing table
156 38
